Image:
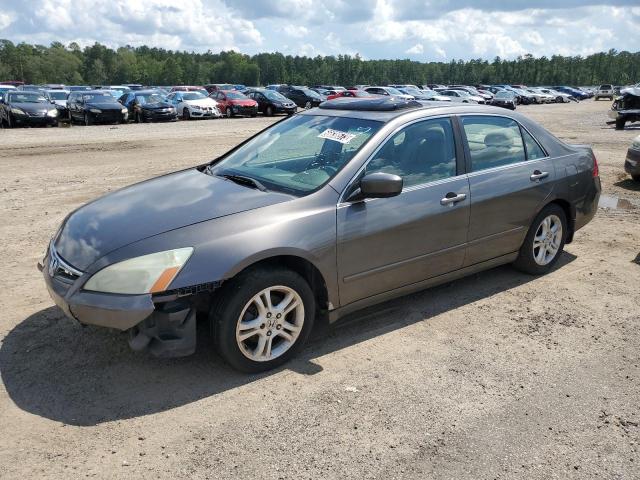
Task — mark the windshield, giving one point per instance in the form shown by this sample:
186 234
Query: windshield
393 91
236 95
412 91
310 93
149 98
26 97
193 96
58 95
300 154
97 97
271 95
462 93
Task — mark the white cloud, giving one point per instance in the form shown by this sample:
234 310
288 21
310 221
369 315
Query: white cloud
295 31
417 49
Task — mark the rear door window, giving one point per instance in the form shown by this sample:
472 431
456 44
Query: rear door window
493 141
534 151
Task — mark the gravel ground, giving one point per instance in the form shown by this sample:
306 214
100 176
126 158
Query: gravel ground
496 376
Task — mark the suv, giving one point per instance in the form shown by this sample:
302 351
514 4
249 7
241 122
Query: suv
321 214
604 91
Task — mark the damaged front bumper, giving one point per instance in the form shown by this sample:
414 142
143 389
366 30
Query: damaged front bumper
166 325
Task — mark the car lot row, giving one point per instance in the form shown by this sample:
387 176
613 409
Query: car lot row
48 105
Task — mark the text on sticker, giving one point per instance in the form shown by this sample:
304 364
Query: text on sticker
337 136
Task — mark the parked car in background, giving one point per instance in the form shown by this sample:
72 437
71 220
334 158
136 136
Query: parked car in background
194 104
577 94
148 106
302 96
434 96
461 96
95 106
233 103
632 162
59 98
79 88
215 87
135 86
6 88
540 97
559 97
389 92
524 97
604 91
504 99
471 93
626 108
189 88
350 94
271 102
265 241
414 92
334 88
20 108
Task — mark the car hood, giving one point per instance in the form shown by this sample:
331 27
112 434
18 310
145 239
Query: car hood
105 105
243 103
157 105
203 102
33 107
150 208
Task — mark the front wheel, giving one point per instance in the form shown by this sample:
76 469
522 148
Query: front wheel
269 111
307 105
87 120
636 178
544 242
229 112
620 124
262 318
186 114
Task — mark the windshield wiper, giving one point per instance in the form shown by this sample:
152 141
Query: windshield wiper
242 180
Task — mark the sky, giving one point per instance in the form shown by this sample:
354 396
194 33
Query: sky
424 30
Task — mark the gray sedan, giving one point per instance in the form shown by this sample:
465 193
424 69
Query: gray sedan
326 212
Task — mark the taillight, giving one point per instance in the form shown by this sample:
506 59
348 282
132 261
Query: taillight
596 172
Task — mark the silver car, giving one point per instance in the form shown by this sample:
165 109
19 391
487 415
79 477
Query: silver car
324 213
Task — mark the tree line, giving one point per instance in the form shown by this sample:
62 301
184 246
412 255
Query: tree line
100 65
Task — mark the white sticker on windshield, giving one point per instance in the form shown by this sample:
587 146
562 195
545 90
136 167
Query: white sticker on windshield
337 136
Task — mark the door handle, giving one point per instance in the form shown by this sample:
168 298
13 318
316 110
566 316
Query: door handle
538 175
452 198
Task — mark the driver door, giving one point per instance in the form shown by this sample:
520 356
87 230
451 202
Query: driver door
388 243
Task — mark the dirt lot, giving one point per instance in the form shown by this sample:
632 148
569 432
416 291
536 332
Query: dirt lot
499 375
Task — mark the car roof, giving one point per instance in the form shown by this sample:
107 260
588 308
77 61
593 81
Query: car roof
375 108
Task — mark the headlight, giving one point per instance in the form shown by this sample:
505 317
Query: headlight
95 110
124 110
17 111
52 113
147 274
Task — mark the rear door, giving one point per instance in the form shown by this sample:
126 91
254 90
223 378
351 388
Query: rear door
510 178
384 244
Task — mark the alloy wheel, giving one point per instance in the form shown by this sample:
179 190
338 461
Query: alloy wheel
547 240
270 323
307 105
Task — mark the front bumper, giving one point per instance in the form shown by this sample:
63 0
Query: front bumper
35 120
91 308
208 113
632 162
239 110
108 116
160 116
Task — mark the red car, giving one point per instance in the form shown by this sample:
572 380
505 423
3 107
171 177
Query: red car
232 102
350 94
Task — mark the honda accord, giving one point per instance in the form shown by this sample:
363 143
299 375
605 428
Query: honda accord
323 213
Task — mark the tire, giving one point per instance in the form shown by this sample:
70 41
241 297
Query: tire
269 111
87 120
307 105
636 178
186 114
533 260
138 117
559 100
228 112
620 124
235 303
10 122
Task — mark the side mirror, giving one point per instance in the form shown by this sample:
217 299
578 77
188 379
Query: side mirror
377 185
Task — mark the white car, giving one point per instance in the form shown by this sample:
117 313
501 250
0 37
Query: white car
460 96
59 97
541 97
434 96
605 91
194 105
560 97
389 91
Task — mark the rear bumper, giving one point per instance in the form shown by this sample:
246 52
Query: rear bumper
632 162
587 208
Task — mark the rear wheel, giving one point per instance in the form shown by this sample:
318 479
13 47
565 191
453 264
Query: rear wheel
269 111
544 242
262 318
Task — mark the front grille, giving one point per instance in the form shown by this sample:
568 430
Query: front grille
58 268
